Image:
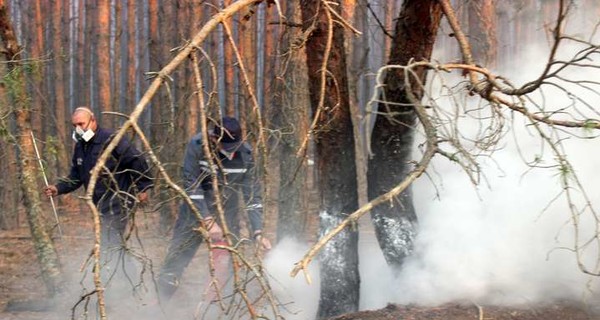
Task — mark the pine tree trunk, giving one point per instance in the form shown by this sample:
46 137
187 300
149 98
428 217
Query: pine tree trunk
102 54
44 247
229 70
60 105
392 137
290 114
482 32
335 159
9 199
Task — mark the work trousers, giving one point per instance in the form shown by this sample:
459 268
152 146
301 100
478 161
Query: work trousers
185 243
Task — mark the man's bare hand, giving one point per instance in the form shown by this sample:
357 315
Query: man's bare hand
143 197
214 230
262 242
50 191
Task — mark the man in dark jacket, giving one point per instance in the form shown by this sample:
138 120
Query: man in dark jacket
234 166
123 181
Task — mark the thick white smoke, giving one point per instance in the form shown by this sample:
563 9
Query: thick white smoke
508 240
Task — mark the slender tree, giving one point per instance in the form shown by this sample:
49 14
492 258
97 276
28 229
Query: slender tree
102 54
89 59
9 210
290 117
334 149
392 136
37 53
58 76
482 31
14 81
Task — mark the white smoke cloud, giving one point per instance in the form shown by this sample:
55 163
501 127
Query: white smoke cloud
508 240
299 298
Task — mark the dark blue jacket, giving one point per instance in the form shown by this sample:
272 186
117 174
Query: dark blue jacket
235 174
127 166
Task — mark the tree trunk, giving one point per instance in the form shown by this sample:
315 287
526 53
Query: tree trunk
247 49
116 36
129 65
60 105
334 141
44 247
9 205
392 137
229 69
357 53
36 82
290 115
482 32
193 104
102 54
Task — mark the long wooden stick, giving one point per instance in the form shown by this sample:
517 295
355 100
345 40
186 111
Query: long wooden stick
37 153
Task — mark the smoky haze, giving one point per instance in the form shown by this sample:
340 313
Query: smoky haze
506 241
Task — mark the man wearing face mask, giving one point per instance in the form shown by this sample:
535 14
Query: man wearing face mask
236 175
124 182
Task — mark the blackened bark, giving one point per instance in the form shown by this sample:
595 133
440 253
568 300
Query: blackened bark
392 137
334 142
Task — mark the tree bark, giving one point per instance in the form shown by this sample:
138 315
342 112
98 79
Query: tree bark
130 57
290 115
482 32
36 82
229 69
102 54
392 136
357 53
44 247
335 155
9 205
247 49
60 105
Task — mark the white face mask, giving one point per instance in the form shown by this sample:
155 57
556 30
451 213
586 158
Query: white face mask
79 134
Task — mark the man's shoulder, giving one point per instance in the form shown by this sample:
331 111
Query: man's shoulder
104 134
246 148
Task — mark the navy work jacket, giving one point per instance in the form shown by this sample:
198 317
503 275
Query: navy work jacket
235 174
126 171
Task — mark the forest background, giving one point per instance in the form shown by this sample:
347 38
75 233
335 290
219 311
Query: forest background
105 54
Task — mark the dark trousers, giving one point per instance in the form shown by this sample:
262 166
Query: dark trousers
185 243
116 262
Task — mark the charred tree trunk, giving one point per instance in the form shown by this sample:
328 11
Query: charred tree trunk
392 137
290 115
44 247
334 141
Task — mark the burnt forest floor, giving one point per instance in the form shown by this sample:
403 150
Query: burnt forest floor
22 290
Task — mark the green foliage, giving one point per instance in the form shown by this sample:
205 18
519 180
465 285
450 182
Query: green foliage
589 126
51 148
14 82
